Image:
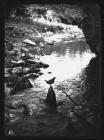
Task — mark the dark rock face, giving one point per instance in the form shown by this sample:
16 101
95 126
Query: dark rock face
21 84
51 98
91 26
93 77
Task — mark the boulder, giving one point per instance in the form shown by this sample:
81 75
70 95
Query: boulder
34 69
32 75
18 63
40 73
45 65
42 65
31 61
28 41
21 84
51 98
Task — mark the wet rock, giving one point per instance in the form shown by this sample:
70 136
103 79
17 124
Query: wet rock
25 49
34 69
28 41
19 74
40 73
60 28
31 61
26 70
49 72
13 52
18 63
21 84
29 58
38 65
16 70
51 98
50 43
42 65
41 44
32 75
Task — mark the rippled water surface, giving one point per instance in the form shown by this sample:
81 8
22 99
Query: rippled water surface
67 62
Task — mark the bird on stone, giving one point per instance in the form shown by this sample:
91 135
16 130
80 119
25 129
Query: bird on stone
51 81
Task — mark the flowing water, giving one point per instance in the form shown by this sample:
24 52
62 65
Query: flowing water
67 62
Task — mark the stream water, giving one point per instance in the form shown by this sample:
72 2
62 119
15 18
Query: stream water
67 62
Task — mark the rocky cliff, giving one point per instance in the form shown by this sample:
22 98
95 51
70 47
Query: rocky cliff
91 26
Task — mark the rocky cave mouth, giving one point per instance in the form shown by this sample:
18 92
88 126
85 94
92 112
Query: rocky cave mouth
29 30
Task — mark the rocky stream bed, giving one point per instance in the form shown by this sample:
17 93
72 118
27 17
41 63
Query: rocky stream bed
26 114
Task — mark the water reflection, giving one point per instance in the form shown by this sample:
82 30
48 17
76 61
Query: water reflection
66 60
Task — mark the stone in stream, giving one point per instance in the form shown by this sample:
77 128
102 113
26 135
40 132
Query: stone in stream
40 73
28 41
51 98
34 69
45 65
29 56
42 65
18 63
31 61
21 84
49 72
25 49
32 75
50 43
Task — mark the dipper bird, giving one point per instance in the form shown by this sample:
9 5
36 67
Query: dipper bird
51 81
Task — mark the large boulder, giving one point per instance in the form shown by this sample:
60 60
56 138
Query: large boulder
91 26
51 98
21 84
